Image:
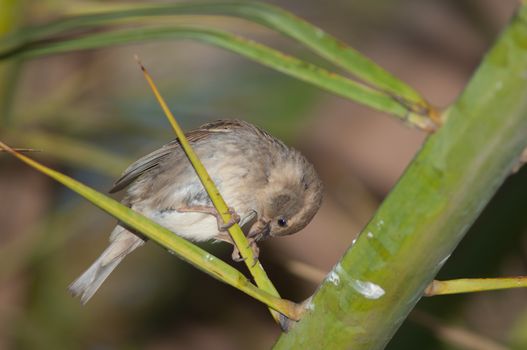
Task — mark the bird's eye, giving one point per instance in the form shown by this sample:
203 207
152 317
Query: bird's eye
282 222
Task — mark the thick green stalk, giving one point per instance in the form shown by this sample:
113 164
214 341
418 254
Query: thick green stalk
372 289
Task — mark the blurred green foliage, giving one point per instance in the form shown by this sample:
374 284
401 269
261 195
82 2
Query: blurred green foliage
92 113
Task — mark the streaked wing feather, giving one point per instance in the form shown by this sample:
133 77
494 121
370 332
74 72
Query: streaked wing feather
153 159
142 165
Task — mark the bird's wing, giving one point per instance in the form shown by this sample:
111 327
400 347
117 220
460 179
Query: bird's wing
144 164
153 159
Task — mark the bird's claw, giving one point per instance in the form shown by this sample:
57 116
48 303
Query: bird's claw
224 226
256 250
236 256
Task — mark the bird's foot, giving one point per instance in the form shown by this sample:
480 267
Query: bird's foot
236 256
222 225
256 250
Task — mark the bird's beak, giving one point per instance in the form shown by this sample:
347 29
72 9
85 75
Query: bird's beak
260 230
247 221
266 230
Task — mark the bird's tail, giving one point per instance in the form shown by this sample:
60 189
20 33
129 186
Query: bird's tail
122 243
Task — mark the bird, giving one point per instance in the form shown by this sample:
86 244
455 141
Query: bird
272 190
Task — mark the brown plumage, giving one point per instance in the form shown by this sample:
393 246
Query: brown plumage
274 190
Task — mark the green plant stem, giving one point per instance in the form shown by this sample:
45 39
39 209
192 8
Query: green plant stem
239 240
166 238
378 281
469 285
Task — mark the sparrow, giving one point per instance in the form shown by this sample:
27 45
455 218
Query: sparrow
271 188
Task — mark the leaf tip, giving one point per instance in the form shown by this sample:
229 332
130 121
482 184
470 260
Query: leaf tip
138 60
6 147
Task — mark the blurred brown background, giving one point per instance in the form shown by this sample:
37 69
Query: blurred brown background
98 98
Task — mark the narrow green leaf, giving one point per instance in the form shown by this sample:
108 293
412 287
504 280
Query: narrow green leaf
23 150
292 66
71 151
270 16
416 110
164 237
235 232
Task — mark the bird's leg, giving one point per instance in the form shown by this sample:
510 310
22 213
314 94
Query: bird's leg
259 229
225 237
254 247
236 256
204 209
252 238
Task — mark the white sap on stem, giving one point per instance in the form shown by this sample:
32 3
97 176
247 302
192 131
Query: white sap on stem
369 290
334 278
310 306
